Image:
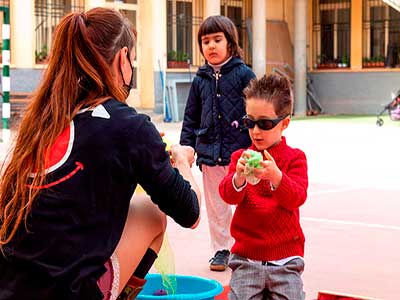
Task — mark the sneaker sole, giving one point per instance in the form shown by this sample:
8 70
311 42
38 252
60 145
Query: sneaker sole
218 268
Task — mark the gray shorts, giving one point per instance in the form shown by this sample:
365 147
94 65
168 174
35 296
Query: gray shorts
256 281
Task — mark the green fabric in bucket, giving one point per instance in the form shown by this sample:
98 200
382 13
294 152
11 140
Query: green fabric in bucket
188 287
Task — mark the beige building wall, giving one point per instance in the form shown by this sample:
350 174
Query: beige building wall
22 27
211 8
279 35
94 3
356 35
152 49
22 31
145 49
289 17
151 44
275 10
281 10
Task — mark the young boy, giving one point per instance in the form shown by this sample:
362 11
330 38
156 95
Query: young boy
267 256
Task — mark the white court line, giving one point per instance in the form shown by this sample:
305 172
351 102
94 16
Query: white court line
337 190
342 222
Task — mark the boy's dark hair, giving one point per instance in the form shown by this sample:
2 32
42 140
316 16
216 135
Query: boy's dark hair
274 89
214 24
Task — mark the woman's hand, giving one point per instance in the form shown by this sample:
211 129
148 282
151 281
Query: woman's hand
182 158
182 154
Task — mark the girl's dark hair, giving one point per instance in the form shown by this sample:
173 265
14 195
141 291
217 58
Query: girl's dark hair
274 89
214 24
78 75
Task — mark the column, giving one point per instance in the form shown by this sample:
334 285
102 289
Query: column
23 33
313 39
146 48
212 7
159 52
259 37
94 3
300 54
356 35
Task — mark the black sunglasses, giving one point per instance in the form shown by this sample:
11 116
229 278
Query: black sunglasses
264 124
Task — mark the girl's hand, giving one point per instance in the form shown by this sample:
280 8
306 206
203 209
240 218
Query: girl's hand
270 170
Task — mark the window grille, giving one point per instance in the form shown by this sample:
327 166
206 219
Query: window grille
331 33
239 11
381 35
48 13
183 21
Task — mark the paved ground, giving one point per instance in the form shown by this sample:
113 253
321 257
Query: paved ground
351 218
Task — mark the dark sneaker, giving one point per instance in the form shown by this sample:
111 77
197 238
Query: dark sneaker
220 260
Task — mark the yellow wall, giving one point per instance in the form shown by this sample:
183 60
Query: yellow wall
275 10
280 34
22 24
145 70
281 10
289 17
356 35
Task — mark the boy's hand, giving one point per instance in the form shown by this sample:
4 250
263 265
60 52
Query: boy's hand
239 177
270 170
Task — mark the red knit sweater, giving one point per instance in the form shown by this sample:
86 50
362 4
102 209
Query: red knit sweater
266 224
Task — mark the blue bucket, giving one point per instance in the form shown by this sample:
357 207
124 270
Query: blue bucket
188 287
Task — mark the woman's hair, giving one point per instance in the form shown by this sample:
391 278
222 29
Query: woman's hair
274 89
214 24
78 75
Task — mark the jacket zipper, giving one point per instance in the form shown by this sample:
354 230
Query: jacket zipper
217 76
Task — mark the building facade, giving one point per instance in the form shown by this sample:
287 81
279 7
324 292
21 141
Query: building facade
347 49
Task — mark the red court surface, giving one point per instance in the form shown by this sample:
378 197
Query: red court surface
351 218
352 243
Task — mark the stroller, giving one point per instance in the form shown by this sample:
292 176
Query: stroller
393 109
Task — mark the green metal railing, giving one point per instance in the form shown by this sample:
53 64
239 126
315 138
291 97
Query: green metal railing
6 84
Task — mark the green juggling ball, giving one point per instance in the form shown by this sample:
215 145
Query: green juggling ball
254 160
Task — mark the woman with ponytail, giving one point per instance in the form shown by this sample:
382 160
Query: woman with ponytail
69 226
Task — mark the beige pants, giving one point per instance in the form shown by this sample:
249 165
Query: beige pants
219 213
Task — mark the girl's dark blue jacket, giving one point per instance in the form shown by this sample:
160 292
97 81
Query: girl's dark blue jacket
212 123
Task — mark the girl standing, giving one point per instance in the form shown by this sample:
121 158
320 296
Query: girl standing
212 122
